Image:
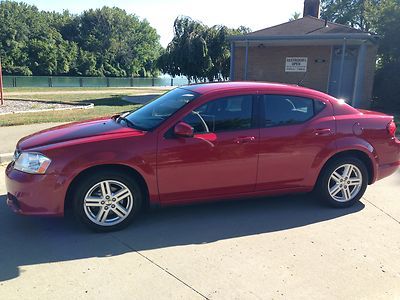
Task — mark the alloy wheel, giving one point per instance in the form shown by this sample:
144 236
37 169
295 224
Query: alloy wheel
345 182
108 203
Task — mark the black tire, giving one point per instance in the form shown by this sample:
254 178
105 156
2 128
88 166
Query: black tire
325 182
88 183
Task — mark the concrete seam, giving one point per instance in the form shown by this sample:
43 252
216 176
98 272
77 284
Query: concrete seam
389 215
160 267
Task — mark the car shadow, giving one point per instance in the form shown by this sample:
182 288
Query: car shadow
32 240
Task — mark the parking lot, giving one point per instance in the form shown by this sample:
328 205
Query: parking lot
289 247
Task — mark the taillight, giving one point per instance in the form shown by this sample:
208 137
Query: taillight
391 128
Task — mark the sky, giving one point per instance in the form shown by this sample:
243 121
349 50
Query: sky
255 14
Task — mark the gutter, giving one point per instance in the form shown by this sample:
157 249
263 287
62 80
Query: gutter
332 36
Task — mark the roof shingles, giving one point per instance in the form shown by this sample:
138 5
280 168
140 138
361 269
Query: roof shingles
305 26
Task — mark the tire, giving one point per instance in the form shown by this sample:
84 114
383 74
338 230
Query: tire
342 182
107 200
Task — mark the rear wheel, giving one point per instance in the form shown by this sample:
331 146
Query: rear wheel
342 182
107 200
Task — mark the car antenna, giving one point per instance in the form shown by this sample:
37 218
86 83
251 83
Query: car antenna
302 79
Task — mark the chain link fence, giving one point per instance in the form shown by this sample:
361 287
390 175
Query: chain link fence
58 81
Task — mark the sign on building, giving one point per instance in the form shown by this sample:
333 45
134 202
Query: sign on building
296 64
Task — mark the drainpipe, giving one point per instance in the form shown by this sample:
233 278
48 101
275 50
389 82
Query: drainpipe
232 69
341 68
246 60
360 76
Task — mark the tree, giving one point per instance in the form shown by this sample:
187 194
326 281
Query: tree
101 42
348 12
385 19
296 15
197 51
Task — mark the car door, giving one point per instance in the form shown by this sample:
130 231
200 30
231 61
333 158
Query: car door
219 160
295 132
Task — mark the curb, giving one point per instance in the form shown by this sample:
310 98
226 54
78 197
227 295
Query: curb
89 106
6 157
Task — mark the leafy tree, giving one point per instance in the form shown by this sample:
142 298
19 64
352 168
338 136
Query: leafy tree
101 42
197 51
348 12
296 15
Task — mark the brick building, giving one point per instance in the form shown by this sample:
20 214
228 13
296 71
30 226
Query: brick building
326 56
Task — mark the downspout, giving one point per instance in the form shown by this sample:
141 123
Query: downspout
341 68
246 60
232 69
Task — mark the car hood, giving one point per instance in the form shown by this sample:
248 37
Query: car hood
73 131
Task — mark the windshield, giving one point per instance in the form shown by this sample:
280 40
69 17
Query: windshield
154 113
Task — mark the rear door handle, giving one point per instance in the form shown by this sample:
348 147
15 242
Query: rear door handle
322 131
244 139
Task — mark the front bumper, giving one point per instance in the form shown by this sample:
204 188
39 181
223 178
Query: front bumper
30 194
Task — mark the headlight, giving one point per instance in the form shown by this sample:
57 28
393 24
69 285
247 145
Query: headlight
31 162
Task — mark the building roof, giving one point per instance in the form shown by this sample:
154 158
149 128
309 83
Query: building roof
305 26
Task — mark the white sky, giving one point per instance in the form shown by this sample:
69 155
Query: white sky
255 14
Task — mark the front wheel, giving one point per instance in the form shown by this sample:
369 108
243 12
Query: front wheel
107 201
342 182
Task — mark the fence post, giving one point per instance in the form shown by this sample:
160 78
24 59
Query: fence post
108 82
152 81
50 82
81 82
14 81
131 81
172 81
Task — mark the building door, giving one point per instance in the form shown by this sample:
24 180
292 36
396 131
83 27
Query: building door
341 84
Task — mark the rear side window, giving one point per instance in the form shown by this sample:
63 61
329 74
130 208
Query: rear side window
224 114
287 110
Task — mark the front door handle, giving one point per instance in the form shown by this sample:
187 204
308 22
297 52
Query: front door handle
244 139
322 131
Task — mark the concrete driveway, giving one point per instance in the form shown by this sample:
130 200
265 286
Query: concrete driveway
280 248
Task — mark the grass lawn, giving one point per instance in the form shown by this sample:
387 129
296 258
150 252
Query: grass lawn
107 101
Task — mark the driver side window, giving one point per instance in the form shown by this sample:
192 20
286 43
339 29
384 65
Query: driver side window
225 114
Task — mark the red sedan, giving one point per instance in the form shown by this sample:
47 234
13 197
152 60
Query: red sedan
202 143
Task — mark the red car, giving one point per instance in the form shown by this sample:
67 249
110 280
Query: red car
202 143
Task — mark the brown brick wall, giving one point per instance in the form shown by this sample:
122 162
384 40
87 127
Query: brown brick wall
268 64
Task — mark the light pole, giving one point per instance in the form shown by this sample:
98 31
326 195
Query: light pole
1 85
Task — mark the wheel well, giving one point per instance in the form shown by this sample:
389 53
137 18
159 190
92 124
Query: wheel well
121 168
358 154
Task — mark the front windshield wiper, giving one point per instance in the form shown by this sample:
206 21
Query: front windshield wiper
129 123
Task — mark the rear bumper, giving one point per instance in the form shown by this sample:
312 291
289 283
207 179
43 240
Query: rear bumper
29 194
388 168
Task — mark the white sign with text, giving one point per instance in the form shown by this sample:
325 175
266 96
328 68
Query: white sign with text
296 64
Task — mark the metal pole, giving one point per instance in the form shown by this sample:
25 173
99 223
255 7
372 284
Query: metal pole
341 68
232 70
246 60
1 85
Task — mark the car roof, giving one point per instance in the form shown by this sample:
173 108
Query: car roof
205 88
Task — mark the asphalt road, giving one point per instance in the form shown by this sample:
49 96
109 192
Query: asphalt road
280 248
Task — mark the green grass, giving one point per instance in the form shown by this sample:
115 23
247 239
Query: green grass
105 104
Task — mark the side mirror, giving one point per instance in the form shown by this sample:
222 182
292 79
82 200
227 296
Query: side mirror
183 129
